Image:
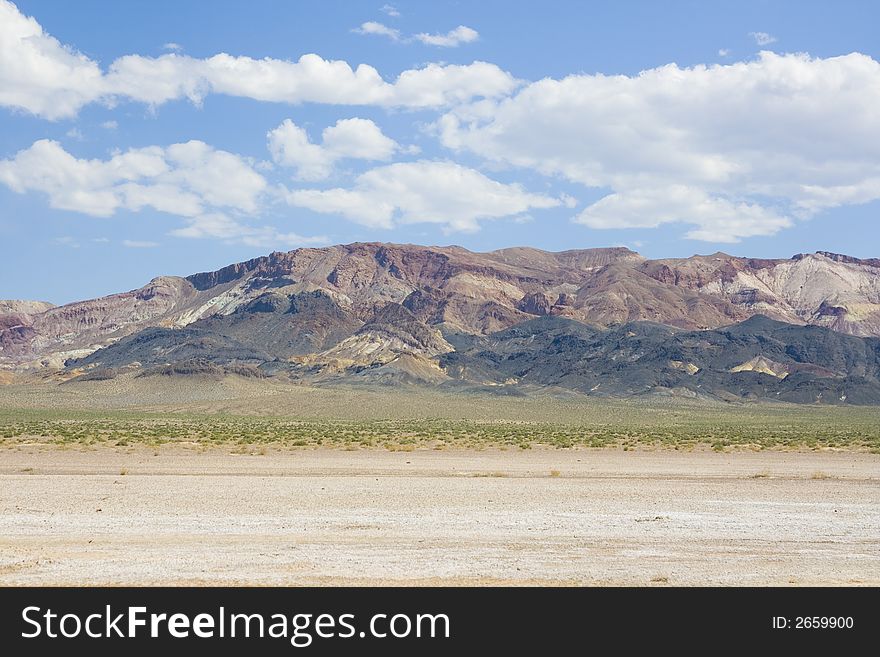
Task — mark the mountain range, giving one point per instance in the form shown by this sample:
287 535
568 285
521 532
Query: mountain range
596 321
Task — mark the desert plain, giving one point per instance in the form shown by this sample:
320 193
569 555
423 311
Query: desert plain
245 483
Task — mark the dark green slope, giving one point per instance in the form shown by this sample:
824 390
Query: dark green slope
810 363
757 359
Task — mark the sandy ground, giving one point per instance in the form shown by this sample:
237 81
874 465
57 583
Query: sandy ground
181 516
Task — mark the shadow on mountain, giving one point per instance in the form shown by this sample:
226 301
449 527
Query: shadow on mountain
309 338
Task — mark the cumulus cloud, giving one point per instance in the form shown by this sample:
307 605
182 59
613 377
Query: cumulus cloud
40 75
191 180
182 179
220 226
354 138
723 52
762 38
732 150
391 10
437 85
452 39
172 47
378 29
310 79
422 192
716 219
747 147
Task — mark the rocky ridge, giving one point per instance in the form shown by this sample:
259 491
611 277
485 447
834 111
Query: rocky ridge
406 308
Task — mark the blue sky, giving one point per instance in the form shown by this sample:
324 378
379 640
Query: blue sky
139 139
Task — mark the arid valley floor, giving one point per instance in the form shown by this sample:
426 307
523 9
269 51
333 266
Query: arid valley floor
234 482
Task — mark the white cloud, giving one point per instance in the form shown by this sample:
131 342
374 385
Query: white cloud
290 146
378 29
110 125
422 192
452 39
358 138
310 79
75 133
220 226
723 52
391 10
41 76
191 180
437 85
172 47
139 244
717 219
780 136
762 38
182 179
354 138
568 201
219 178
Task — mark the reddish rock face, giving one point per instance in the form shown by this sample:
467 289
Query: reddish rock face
471 293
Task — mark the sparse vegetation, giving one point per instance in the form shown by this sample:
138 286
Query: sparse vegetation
258 419
754 429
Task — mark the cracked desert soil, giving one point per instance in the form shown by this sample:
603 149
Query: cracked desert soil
186 516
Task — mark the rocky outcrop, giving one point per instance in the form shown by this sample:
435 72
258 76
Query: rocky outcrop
825 289
392 331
